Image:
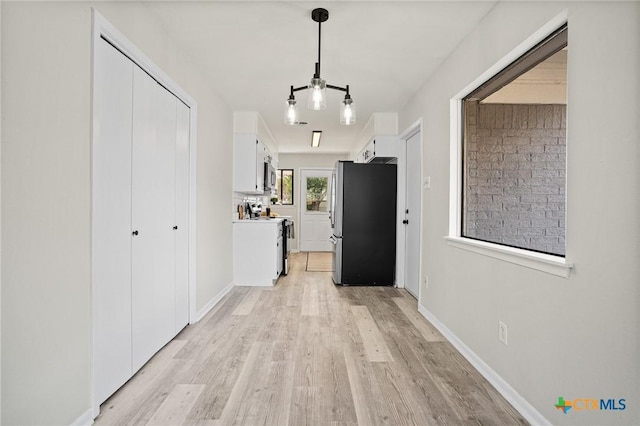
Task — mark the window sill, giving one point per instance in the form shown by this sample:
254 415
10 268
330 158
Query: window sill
554 265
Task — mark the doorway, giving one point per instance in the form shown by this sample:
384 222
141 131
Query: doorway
315 193
412 212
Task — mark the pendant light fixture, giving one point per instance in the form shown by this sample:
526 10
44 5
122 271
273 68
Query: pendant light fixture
317 99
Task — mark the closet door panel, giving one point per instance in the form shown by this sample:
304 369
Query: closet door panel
111 228
153 191
165 270
182 217
143 221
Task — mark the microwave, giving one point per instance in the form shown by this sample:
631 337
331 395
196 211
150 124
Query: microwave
269 176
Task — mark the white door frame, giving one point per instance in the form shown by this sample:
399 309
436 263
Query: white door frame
414 128
302 197
101 28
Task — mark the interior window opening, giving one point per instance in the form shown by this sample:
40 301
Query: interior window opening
514 152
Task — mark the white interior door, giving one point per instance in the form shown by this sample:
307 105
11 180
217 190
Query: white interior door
111 222
182 217
315 228
153 217
412 214
141 226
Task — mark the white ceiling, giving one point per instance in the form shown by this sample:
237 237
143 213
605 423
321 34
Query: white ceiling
254 51
546 83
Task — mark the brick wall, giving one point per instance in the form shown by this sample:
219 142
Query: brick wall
515 172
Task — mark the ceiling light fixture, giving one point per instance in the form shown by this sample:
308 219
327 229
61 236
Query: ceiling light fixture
315 138
317 99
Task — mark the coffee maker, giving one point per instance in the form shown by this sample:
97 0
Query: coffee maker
254 208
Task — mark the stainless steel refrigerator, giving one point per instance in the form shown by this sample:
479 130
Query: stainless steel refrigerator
363 221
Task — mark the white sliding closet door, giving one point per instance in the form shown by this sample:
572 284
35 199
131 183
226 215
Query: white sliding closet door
182 217
111 227
153 217
140 218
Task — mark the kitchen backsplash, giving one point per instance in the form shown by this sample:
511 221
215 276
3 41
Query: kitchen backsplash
240 198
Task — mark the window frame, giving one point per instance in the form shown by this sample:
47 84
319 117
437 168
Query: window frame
279 190
548 263
328 201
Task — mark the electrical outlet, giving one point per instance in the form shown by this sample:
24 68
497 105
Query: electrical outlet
426 281
503 333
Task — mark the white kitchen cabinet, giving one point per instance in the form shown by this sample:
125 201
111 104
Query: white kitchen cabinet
367 153
251 122
386 146
249 156
279 253
257 252
379 149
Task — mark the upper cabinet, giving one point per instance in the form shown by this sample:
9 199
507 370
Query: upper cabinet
249 158
382 149
378 141
253 146
252 122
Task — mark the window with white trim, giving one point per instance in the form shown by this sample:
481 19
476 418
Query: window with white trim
284 187
513 161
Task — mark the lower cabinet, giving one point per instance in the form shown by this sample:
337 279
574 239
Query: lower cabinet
257 252
279 255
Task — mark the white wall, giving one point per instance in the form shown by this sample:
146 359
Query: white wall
576 337
46 101
297 162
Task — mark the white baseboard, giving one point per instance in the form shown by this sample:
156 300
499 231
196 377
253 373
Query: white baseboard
85 419
527 410
213 302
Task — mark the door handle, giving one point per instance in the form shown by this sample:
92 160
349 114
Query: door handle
406 222
135 232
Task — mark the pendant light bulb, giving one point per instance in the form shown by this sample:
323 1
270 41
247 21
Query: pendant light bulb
347 112
290 112
317 94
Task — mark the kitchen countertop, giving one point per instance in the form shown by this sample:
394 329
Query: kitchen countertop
278 219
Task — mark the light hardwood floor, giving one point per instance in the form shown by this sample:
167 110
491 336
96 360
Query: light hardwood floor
306 352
